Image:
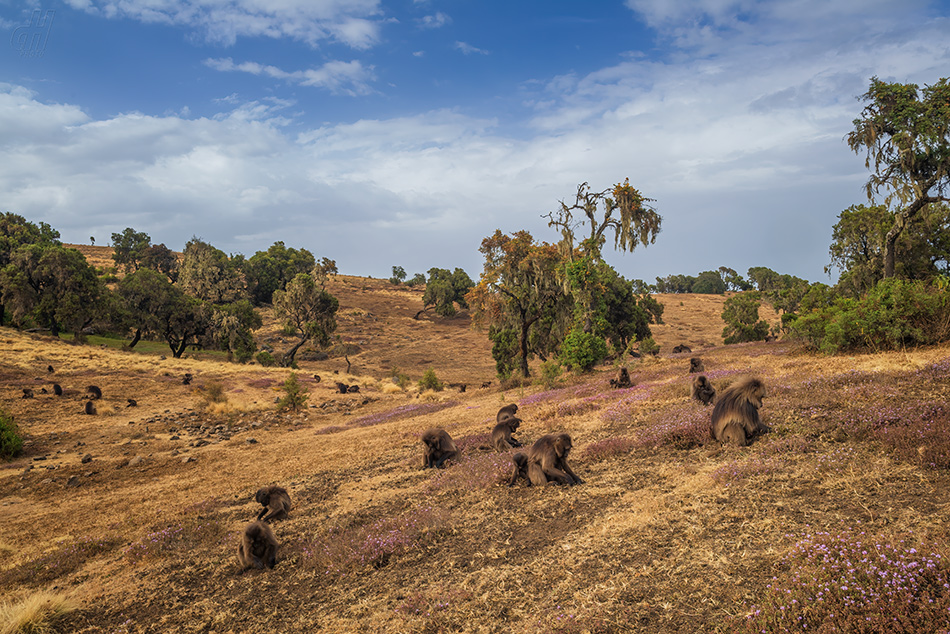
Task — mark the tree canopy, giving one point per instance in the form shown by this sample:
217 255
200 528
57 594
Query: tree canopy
904 132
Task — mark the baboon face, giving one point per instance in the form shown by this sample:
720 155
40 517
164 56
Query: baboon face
563 446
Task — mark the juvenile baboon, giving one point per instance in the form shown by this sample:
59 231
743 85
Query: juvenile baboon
622 380
95 391
186 380
463 387
696 365
682 348
132 403
316 378
57 389
438 448
27 393
530 471
508 411
702 390
735 417
276 503
353 389
49 369
550 453
501 438
258 547
342 388
486 384
90 408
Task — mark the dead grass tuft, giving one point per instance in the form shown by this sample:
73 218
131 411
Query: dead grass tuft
36 614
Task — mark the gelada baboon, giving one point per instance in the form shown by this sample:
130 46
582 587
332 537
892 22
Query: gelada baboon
186 380
276 503
549 453
90 408
57 389
342 388
94 391
501 438
353 389
316 378
702 390
27 393
258 547
622 380
682 348
132 402
530 471
49 369
696 365
438 448
508 411
735 417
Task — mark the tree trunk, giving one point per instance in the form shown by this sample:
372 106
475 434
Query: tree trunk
525 324
136 338
180 350
288 359
901 219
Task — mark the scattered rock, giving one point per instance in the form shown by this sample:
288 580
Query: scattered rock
86 459
251 441
73 481
136 461
187 459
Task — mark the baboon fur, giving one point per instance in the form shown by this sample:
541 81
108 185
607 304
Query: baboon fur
438 448
186 380
132 402
353 389
530 471
57 389
27 393
276 503
508 411
622 380
90 408
682 348
696 365
501 438
549 453
94 391
702 390
258 546
342 388
735 417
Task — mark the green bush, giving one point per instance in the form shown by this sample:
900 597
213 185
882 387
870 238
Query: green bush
429 381
551 372
504 350
295 396
895 314
400 378
581 350
266 359
648 346
741 314
11 443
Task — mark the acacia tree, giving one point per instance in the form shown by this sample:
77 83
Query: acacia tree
518 291
905 133
309 310
444 290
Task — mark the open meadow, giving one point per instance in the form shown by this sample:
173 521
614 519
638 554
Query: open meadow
836 519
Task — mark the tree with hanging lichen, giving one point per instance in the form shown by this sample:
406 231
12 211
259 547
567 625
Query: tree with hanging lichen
905 133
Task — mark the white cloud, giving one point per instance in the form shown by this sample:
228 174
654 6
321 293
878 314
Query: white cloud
350 22
468 49
434 21
349 78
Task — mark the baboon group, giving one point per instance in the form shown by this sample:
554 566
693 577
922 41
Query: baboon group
543 462
258 545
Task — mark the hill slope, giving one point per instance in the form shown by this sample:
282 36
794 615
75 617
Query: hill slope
136 511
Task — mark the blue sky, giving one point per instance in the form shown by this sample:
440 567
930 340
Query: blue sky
382 133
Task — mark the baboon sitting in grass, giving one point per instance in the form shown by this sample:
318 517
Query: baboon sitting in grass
258 547
735 417
438 448
276 503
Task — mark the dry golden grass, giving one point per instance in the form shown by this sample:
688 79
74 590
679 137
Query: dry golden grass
36 614
662 537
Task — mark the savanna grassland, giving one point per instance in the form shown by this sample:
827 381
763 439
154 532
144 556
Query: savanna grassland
837 519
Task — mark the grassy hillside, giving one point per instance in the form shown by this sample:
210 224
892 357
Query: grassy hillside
134 513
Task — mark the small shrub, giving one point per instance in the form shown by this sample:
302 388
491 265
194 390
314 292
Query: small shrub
581 350
11 443
648 346
213 392
551 372
265 358
417 280
400 378
295 395
429 381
